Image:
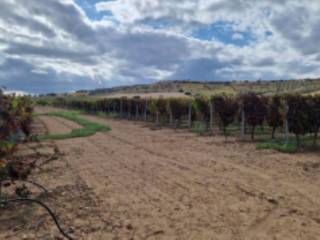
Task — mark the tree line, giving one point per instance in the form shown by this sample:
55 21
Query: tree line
299 114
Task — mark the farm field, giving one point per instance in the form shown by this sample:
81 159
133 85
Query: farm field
159 120
167 184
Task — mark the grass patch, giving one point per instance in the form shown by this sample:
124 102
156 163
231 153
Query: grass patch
89 128
306 144
280 145
200 128
110 115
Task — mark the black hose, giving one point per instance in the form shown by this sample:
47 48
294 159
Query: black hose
35 184
53 216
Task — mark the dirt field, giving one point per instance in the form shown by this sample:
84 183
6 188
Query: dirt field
140 183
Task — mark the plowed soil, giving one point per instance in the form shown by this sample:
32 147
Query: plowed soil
167 184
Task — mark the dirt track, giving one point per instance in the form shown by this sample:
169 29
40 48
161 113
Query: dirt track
170 184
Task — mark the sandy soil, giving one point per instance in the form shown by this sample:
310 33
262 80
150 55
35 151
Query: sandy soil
165 184
57 125
68 196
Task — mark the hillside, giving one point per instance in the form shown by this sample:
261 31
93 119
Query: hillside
186 88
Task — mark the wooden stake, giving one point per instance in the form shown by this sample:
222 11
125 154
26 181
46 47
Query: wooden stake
211 116
286 123
190 115
145 111
242 123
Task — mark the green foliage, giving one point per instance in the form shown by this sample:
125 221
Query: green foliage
275 114
43 102
255 109
158 105
15 122
303 116
15 116
299 115
200 128
290 147
314 112
178 107
202 107
226 108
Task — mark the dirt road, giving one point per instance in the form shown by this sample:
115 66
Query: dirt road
168 184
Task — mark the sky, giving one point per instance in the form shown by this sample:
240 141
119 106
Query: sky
67 45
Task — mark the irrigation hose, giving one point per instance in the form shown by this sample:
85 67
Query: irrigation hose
35 184
53 216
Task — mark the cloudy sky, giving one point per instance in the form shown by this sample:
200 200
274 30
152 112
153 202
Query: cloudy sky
66 45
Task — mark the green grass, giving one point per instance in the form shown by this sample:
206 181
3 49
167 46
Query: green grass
306 144
200 128
110 115
89 128
280 145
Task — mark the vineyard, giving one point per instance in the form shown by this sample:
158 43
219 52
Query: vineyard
15 123
16 117
121 177
284 122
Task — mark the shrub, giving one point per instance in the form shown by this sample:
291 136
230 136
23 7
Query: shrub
159 105
226 108
299 117
314 111
203 109
178 107
255 109
15 122
275 116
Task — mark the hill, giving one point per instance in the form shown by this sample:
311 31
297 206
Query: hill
177 88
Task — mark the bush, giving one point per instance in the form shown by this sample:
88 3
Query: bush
159 105
178 107
255 109
200 128
275 115
299 116
226 108
203 109
15 123
315 116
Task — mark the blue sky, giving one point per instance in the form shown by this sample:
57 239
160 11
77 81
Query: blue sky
223 32
66 45
88 6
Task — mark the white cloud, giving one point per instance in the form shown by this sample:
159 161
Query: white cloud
55 43
237 36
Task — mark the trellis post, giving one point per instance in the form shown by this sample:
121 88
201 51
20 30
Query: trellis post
137 110
121 107
170 117
286 123
190 115
157 119
211 115
242 122
146 111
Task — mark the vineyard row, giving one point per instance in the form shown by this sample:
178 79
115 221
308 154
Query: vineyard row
293 113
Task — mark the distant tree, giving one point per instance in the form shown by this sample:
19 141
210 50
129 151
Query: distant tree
274 118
